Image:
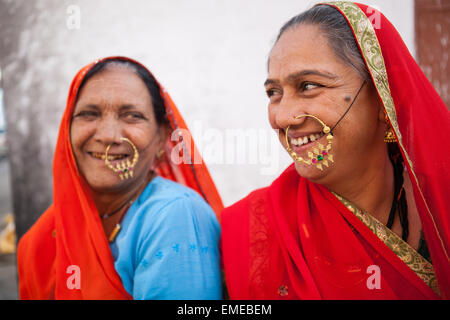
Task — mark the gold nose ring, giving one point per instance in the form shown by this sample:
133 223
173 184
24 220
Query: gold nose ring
318 155
123 168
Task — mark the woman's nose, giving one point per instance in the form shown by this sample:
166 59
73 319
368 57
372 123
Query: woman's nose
285 113
108 131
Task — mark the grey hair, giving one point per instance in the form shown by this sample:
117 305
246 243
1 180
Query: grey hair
335 27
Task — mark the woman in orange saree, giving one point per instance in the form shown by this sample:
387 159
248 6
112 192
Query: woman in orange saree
74 238
362 212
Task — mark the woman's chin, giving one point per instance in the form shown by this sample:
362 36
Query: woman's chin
107 185
311 172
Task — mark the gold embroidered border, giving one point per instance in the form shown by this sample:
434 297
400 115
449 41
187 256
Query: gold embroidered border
371 50
421 267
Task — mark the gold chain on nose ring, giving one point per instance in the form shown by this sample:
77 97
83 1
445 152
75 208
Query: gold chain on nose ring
318 155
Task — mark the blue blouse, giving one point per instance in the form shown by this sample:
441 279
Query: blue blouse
167 247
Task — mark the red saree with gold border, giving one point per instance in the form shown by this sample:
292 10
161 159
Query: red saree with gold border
297 240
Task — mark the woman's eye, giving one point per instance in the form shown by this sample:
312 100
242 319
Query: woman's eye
271 92
86 114
305 86
134 115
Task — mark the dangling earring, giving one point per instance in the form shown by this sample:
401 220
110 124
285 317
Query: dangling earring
160 154
389 137
317 155
123 168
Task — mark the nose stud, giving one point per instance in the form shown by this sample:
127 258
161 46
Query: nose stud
123 168
318 155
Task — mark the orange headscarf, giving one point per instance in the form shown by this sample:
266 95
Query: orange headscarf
70 232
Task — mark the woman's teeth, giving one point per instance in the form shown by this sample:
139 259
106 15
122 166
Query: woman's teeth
110 157
306 139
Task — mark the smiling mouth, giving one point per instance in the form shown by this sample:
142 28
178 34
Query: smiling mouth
111 157
306 139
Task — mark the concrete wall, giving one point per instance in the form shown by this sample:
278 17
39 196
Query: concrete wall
210 55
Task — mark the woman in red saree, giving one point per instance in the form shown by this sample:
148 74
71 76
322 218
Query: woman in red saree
372 221
74 235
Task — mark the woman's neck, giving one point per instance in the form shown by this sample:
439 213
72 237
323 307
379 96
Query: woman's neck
109 202
372 190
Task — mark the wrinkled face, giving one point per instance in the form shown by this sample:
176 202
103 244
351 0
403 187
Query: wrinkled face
306 77
113 104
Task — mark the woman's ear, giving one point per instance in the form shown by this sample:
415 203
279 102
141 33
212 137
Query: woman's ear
382 114
382 118
379 104
164 132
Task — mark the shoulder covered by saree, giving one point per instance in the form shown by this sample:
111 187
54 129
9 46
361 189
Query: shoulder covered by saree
38 244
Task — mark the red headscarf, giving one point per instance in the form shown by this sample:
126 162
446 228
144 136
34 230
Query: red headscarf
296 240
70 232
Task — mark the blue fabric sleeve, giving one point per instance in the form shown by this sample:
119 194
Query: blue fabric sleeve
179 257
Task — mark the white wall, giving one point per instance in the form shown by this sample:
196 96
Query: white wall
215 65
210 55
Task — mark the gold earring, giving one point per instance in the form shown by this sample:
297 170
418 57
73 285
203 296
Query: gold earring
318 155
123 168
389 137
160 153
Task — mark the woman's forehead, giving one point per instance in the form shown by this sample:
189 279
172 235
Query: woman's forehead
302 47
114 83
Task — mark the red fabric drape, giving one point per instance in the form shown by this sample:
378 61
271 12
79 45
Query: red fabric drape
295 237
296 234
70 231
